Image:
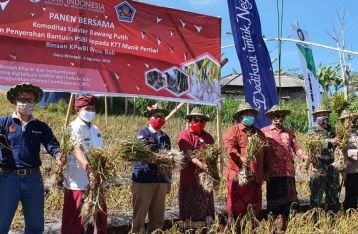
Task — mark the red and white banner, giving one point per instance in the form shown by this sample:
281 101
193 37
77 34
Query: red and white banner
119 48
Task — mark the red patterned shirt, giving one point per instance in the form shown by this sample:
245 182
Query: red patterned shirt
283 147
190 141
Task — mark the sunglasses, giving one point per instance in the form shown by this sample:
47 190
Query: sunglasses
198 120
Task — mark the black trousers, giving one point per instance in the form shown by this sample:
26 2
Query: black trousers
351 185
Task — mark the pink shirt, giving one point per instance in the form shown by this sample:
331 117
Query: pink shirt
283 147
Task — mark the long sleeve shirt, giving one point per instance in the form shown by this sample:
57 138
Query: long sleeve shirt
144 172
20 143
236 141
189 140
352 154
282 148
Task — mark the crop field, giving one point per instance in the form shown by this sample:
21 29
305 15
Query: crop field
119 197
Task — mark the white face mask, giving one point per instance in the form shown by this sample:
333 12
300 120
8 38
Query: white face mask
87 116
25 108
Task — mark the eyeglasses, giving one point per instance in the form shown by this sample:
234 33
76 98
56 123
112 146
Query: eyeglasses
198 120
26 100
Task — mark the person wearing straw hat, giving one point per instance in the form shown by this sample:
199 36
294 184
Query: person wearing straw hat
196 204
20 177
281 192
236 138
325 178
84 135
149 187
351 177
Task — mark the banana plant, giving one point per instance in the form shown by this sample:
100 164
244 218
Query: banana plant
328 75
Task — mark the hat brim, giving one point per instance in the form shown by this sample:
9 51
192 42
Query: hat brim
352 115
323 111
152 112
14 92
270 114
190 116
239 112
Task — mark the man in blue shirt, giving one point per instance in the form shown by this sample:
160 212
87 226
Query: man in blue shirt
21 135
149 186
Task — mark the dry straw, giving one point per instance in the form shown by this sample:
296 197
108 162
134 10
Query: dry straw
66 148
131 150
343 132
94 198
210 179
254 146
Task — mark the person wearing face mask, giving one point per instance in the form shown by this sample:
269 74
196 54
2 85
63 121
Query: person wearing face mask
236 141
351 172
281 192
21 136
325 178
196 205
84 136
149 187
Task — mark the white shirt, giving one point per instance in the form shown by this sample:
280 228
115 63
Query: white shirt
87 137
4 4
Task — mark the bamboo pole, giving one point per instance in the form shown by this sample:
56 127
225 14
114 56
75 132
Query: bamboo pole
219 135
69 109
174 110
125 105
106 110
187 112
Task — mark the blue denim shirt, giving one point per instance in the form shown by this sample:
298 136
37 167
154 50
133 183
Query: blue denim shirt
144 172
20 144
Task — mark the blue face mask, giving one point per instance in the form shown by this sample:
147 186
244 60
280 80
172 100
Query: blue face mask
248 120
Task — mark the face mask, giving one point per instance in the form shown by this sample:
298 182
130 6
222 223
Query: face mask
25 108
197 127
156 123
248 120
87 116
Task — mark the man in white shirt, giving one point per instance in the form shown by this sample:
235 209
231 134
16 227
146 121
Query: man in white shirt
84 136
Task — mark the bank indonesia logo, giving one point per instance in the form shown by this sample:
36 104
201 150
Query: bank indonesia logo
125 12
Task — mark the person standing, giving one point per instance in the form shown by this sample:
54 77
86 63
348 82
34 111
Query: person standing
325 178
195 204
84 136
149 187
236 141
350 183
281 192
21 136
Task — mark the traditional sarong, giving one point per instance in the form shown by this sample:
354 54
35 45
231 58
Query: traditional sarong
195 203
72 222
240 197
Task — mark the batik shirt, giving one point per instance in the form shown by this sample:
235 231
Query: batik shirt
283 146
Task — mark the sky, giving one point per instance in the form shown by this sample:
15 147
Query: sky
318 17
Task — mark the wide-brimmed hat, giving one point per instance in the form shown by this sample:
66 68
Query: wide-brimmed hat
277 110
244 107
321 109
15 91
196 112
156 108
347 114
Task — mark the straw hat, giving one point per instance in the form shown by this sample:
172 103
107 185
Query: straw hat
156 108
197 113
347 114
321 109
15 91
276 110
244 107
